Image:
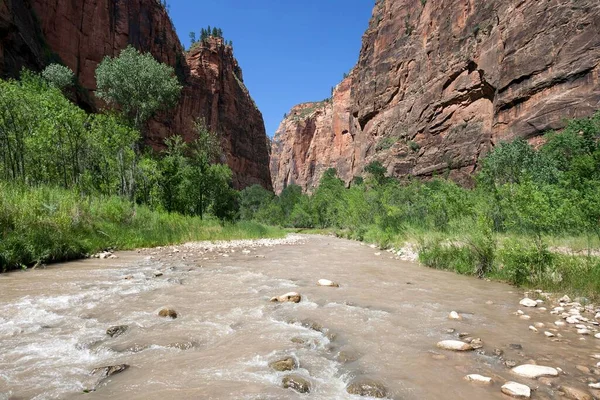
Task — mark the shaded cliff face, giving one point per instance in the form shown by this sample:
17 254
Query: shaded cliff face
81 33
438 85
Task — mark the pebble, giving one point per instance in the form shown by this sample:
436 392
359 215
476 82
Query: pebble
575 394
297 383
454 315
532 328
454 345
534 371
526 302
549 334
597 335
478 378
291 297
564 299
525 317
560 323
517 390
584 331
327 282
539 325
594 385
167 312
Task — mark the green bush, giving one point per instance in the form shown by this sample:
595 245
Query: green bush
524 263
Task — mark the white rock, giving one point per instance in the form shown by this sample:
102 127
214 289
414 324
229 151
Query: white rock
597 316
291 297
534 371
519 312
549 334
572 320
454 345
377 254
559 309
584 331
539 301
532 328
580 326
565 299
327 282
526 302
539 325
454 315
542 309
525 317
478 378
517 390
597 335
594 385
560 323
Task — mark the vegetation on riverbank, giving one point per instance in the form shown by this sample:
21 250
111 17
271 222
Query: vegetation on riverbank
43 224
73 183
527 203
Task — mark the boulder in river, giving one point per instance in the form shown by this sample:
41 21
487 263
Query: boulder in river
527 302
110 370
454 345
291 297
297 383
478 379
455 316
285 364
534 371
327 282
167 313
516 390
575 394
367 388
118 330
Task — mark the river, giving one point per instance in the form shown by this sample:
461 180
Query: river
382 323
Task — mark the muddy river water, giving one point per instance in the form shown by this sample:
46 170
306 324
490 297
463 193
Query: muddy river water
382 323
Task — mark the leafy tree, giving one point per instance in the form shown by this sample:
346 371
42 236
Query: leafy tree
137 85
377 172
58 75
252 199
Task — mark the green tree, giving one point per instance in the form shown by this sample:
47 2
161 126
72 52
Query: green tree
253 199
192 38
58 75
137 85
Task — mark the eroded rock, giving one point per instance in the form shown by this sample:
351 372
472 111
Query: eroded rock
105 372
297 383
454 345
286 364
115 331
534 371
327 282
291 297
168 313
516 390
367 388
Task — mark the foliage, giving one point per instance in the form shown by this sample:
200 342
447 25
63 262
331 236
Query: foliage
43 224
60 76
136 85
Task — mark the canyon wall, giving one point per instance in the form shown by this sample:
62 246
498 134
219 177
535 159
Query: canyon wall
34 33
439 83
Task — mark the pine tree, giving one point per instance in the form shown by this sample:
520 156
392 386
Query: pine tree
192 38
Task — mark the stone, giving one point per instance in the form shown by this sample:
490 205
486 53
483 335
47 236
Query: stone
297 383
286 364
158 274
534 371
560 323
584 331
539 325
291 297
549 334
346 357
533 328
115 331
105 372
516 390
597 335
526 302
454 316
454 345
367 388
515 346
525 317
327 282
168 313
478 379
564 299
436 87
594 385
575 394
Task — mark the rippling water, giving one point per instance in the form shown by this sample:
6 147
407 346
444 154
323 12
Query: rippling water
382 323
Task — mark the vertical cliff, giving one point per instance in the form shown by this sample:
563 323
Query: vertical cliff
81 33
439 83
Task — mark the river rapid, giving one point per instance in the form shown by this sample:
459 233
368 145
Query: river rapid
382 323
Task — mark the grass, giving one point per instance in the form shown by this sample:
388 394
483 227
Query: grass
560 265
43 225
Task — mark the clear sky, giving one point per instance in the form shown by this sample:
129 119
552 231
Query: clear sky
290 51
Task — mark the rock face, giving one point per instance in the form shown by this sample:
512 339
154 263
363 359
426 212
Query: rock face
439 83
34 33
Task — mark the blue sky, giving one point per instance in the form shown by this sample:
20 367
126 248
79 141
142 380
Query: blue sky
290 51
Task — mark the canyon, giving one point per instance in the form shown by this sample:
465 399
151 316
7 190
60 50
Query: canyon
438 84
35 33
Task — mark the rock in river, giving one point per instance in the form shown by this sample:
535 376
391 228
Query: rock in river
367 388
111 370
286 364
167 312
534 371
517 390
455 316
291 297
297 383
478 378
527 302
327 282
575 394
115 331
455 345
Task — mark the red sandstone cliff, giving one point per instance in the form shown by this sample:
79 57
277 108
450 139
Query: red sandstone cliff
81 33
438 84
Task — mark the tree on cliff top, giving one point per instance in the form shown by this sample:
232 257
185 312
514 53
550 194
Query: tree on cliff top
137 85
